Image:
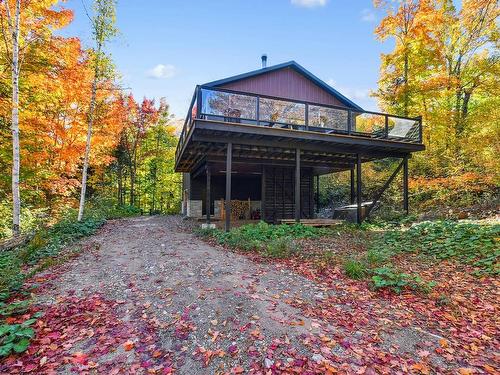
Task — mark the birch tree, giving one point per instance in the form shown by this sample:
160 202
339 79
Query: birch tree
103 29
14 28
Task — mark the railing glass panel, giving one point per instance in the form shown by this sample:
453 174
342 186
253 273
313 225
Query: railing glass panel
401 128
228 106
368 124
280 113
328 118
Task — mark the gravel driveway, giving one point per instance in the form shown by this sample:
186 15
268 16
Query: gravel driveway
213 311
145 296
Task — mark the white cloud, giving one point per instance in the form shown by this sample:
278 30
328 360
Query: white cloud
309 3
351 93
161 71
367 15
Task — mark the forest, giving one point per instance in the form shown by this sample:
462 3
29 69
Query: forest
444 66
133 140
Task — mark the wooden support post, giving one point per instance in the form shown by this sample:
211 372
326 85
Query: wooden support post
263 194
208 204
317 194
406 206
359 217
229 157
353 194
297 185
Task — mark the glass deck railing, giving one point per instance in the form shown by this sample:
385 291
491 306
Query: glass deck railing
251 109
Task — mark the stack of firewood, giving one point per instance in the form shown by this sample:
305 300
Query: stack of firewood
239 209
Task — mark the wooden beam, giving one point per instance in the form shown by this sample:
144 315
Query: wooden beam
317 193
229 157
406 206
297 185
208 204
263 193
383 189
353 194
359 218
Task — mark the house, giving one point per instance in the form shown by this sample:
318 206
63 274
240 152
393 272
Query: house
254 145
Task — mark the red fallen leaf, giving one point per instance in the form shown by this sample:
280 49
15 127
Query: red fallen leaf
237 370
156 353
30 367
79 358
168 371
128 345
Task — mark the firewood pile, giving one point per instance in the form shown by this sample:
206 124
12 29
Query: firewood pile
239 209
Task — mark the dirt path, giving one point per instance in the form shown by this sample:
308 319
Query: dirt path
146 296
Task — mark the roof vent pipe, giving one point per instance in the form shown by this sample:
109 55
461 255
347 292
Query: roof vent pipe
264 60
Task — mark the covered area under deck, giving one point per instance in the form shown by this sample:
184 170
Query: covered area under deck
276 170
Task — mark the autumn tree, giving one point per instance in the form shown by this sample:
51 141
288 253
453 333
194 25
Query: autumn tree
25 27
444 66
103 29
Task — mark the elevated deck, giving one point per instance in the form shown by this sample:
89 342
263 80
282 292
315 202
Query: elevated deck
268 130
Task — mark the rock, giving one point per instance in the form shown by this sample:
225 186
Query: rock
318 358
268 362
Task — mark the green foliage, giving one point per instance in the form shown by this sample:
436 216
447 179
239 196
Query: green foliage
388 277
11 275
281 247
468 243
13 308
259 236
355 269
30 218
15 338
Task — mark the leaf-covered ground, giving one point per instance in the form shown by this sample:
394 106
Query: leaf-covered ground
147 296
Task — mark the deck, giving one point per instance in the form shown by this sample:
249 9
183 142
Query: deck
269 130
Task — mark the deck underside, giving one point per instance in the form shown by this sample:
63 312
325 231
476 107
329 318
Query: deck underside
207 140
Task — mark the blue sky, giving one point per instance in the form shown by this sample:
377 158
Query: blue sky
166 47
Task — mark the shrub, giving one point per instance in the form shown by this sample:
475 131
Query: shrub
355 269
375 257
15 337
256 237
11 275
387 277
282 247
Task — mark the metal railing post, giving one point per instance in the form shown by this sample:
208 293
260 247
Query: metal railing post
257 113
420 129
307 116
349 122
198 102
386 126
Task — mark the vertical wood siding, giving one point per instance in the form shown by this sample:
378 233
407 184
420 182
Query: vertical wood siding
285 83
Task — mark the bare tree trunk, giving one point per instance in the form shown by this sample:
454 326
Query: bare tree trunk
15 69
89 134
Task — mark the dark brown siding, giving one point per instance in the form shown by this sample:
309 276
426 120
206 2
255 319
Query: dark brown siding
285 83
279 195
